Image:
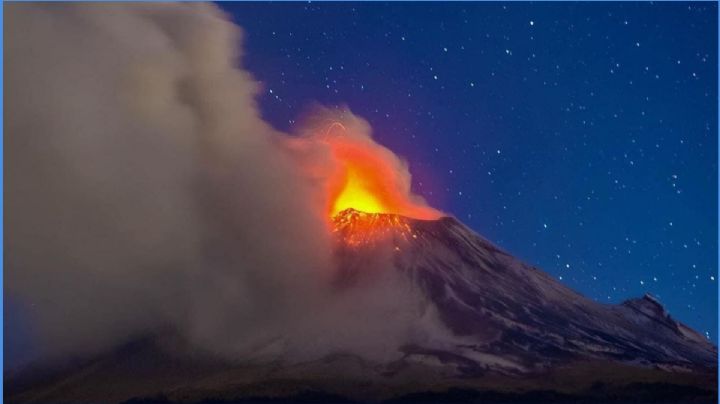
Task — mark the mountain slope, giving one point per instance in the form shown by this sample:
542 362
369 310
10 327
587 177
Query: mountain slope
517 318
509 329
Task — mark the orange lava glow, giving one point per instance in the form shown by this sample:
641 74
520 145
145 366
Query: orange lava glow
360 228
356 194
372 180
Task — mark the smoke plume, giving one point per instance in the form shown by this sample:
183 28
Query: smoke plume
144 192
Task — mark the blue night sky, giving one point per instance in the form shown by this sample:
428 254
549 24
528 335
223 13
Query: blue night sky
581 138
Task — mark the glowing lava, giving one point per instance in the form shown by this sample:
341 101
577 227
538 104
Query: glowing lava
361 228
371 179
356 194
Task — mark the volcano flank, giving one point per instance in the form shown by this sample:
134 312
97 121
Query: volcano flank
509 332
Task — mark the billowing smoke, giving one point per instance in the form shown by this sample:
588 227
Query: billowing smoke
144 193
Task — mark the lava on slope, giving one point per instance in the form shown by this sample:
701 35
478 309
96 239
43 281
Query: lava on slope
357 228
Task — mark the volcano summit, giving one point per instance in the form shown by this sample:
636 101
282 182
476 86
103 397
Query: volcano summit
508 332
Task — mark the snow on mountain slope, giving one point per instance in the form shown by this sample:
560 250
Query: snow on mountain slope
506 316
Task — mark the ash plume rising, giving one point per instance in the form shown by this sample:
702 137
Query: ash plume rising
144 192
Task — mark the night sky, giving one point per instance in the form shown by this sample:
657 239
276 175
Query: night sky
581 138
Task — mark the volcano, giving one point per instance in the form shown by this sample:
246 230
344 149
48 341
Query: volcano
511 333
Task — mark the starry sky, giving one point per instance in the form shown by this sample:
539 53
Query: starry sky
580 137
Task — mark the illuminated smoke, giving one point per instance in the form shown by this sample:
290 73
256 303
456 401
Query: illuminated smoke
363 175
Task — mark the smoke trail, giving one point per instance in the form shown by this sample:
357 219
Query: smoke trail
144 192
